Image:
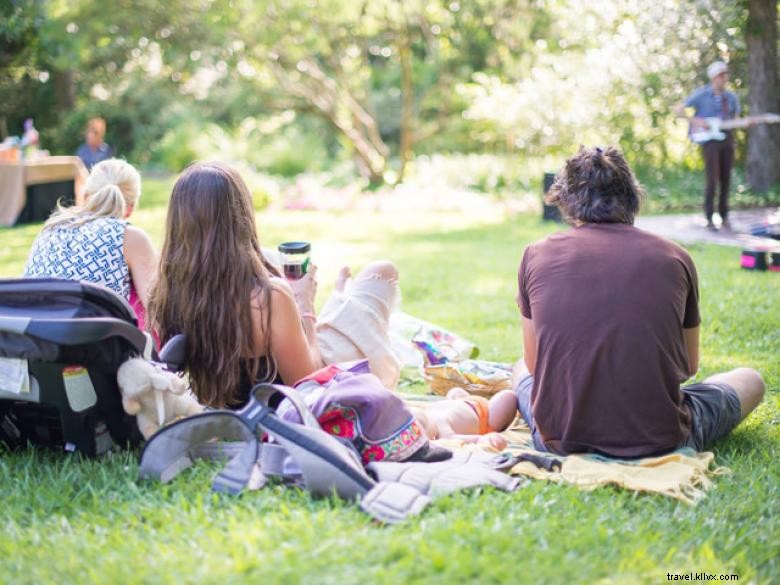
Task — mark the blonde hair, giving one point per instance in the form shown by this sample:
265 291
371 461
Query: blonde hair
112 187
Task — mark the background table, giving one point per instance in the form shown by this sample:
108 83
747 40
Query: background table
29 189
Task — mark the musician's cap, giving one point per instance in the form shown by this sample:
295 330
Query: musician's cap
716 69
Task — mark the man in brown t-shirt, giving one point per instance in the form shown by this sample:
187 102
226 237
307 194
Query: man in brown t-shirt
611 329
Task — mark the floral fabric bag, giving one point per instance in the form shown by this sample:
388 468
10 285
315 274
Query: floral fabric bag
350 402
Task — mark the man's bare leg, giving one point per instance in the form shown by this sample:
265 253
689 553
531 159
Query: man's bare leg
747 383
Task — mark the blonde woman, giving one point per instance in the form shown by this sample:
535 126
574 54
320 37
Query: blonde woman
94 242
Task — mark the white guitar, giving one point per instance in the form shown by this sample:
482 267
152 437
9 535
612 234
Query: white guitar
716 126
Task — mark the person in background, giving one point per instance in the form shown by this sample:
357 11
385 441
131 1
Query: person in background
714 101
94 149
610 318
95 243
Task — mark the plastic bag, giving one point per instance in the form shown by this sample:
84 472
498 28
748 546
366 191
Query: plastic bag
418 342
475 376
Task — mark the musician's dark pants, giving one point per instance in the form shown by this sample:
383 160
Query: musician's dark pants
718 160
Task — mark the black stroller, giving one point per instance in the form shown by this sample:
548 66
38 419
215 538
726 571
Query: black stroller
61 343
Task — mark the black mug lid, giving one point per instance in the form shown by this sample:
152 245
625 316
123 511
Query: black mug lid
294 247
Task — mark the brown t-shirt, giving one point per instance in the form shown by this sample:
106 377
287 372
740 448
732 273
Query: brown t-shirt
609 303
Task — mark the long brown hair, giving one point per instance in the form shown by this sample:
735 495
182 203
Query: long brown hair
210 269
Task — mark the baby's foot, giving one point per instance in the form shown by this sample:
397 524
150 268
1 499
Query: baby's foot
493 440
342 278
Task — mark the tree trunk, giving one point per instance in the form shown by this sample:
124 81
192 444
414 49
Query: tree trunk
324 95
65 89
763 153
406 140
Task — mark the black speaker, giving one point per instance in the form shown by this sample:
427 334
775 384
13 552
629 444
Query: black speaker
549 212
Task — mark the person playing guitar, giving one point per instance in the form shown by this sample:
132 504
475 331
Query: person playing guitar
714 101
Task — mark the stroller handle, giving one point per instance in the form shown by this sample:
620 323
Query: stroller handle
75 331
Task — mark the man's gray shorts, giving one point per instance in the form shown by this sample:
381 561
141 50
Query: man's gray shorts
715 411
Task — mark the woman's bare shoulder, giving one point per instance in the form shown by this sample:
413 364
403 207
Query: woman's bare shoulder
281 285
280 291
137 238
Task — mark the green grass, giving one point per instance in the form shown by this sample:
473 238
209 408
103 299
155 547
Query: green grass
68 520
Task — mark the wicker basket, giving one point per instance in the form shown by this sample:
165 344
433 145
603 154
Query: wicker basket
443 378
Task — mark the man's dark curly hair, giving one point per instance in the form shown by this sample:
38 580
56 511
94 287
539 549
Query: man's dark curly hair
596 186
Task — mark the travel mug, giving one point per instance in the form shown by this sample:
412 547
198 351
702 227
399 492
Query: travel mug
295 259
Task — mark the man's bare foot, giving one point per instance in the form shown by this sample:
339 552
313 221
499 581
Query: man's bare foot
341 280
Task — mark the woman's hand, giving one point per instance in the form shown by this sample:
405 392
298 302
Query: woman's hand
305 290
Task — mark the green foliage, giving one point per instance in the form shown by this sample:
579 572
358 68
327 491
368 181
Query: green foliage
273 145
155 193
17 33
364 79
503 176
177 148
68 520
675 189
71 60
259 187
292 149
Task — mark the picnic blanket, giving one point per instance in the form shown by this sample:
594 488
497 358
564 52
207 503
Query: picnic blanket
684 474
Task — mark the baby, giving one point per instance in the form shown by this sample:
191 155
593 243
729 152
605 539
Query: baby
469 418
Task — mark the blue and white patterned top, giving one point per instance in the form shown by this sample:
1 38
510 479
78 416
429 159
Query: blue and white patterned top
92 252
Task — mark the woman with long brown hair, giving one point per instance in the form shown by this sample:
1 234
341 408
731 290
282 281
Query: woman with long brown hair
243 322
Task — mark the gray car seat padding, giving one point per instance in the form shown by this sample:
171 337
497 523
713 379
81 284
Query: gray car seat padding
325 464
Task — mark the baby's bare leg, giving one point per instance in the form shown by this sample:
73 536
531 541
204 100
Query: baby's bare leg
503 409
456 392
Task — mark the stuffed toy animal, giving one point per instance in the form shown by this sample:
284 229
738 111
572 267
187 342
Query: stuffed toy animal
156 397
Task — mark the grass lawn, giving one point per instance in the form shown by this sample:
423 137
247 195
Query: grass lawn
67 520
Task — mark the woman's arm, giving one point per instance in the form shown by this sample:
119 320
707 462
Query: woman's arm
293 338
141 258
